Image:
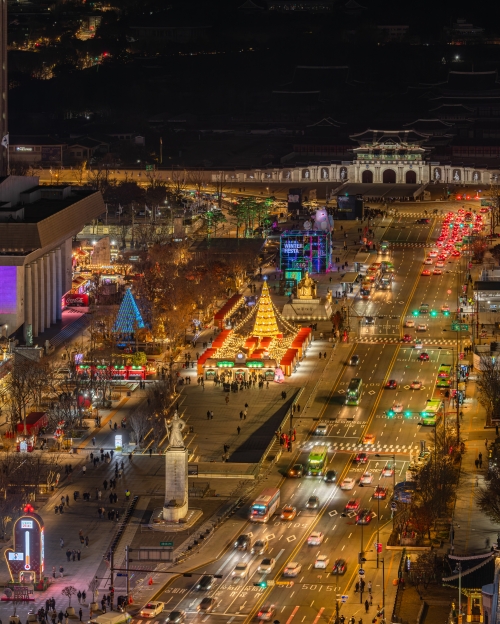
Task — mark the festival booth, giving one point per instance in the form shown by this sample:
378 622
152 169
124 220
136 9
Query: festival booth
227 309
289 361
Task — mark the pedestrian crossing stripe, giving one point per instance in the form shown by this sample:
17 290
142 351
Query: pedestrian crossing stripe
421 215
386 448
426 343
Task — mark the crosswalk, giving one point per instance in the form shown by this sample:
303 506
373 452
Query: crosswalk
387 340
403 244
351 447
421 215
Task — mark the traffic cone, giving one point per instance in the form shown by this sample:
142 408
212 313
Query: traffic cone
150 582
130 600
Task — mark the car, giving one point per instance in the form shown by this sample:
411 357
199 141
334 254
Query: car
364 516
388 470
484 210
397 408
361 458
380 492
312 502
426 273
266 613
206 605
292 569
416 385
315 539
321 562
288 512
410 323
423 357
428 261
407 338
176 617
455 253
352 504
260 546
354 361
369 320
151 609
433 253
423 221
330 476
445 308
321 430
392 384
369 438
421 327
205 583
339 567
437 272
240 571
347 484
243 542
266 565
296 471
366 478
418 344
440 264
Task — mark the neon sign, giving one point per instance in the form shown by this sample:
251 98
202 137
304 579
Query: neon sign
25 560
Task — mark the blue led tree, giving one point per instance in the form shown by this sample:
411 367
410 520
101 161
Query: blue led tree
128 319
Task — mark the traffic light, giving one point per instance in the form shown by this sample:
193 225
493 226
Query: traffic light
416 312
434 313
461 225
446 313
379 547
408 414
390 413
260 584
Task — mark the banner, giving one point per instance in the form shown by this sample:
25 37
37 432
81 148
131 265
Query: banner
72 300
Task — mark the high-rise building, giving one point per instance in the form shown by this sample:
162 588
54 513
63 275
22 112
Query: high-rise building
4 88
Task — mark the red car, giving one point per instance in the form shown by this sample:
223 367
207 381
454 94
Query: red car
424 357
380 492
407 338
426 272
364 516
361 458
352 505
392 384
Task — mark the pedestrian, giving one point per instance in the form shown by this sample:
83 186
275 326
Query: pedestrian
61 543
60 616
241 415
477 463
238 429
67 500
80 613
78 554
53 571
369 587
61 571
68 554
93 441
480 463
86 545
356 587
486 443
79 596
367 606
105 484
73 555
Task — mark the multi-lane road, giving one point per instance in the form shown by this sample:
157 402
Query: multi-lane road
382 356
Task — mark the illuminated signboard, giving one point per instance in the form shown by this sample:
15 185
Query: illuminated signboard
22 148
225 364
25 560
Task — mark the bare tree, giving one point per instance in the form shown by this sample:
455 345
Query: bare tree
80 173
69 591
140 424
488 384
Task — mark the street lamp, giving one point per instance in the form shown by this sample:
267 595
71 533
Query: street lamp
458 570
374 487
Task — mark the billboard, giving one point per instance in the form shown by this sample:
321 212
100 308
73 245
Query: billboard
25 560
8 290
75 300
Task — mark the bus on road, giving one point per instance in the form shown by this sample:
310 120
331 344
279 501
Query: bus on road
434 409
444 371
366 289
353 394
317 460
265 505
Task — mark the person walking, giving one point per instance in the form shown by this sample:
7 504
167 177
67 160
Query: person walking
93 441
61 543
238 429
476 463
79 596
369 587
80 613
84 595
86 546
367 606
61 571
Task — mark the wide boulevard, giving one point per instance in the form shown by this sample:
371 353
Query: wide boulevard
382 357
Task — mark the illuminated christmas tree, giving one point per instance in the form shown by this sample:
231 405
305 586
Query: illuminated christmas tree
265 319
128 319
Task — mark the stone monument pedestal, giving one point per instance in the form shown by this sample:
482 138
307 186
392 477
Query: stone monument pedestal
308 309
176 484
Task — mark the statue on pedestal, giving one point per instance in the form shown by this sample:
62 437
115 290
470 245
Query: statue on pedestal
306 288
175 429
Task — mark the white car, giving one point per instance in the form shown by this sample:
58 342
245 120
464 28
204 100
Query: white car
428 261
445 308
321 562
421 327
387 470
440 264
151 609
397 408
315 539
416 385
240 571
418 343
292 569
433 253
347 484
410 323
266 566
366 478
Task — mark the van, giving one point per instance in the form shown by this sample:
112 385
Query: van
112 618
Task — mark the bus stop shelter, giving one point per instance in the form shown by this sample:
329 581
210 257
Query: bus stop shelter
348 280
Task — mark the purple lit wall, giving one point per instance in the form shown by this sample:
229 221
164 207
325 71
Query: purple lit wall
8 290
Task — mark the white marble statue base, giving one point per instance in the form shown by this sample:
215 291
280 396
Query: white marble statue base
308 309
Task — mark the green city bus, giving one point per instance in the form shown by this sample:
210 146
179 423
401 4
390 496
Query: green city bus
353 394
317 460
444 371
432 412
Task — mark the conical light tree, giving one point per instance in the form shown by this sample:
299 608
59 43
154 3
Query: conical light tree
265 319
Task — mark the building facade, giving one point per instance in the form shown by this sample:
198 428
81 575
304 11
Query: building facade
36 229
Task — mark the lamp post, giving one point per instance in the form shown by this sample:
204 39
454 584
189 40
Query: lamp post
374 487
458 570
